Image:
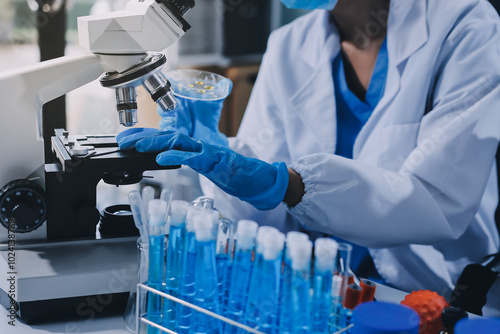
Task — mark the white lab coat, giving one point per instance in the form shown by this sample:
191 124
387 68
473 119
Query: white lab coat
421 189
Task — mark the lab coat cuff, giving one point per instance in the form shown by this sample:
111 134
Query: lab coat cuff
300 210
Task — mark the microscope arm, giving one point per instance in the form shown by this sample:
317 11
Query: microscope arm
119 50
115 42
27 90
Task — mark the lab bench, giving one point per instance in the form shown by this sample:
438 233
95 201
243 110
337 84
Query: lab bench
115 325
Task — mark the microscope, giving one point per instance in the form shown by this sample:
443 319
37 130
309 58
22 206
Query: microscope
53 264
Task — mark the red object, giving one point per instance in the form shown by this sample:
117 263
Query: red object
429 306
352 296
368 290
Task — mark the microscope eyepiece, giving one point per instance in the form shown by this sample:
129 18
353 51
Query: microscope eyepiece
178 6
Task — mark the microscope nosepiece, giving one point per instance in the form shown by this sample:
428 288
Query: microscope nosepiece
148 74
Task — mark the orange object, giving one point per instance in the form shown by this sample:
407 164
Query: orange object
429 306
352 296
368 290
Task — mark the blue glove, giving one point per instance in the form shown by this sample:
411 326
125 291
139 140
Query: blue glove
254 181
198 119
127 139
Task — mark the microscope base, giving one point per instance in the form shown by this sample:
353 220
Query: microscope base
80 279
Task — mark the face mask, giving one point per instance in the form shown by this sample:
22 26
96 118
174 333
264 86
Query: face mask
310 4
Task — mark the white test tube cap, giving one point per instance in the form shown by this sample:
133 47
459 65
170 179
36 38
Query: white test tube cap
336 285
178 211
325 252
293 238
192 211
273 245
157 211
203 228
262 232
300 255
246 232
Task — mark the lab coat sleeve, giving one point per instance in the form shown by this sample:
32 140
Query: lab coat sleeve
260 136
436 193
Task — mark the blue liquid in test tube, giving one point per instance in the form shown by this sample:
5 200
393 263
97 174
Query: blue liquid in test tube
285 312
241 271
157 210
206 285
325 251
301 272
187 282
263 297
175 253
225 244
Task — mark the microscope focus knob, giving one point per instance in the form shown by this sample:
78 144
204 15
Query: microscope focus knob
23 207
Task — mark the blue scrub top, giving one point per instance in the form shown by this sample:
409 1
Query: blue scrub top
352 115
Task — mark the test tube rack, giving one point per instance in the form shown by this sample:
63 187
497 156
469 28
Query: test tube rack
142 322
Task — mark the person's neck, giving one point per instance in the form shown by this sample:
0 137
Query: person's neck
361 22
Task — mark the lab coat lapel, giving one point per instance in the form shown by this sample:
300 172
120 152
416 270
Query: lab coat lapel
406 33
314 101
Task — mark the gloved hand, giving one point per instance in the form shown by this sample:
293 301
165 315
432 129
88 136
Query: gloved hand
254 181
198 119
127 138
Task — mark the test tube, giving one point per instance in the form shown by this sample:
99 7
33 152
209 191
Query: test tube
225 242
206 284
285 313
335 304
187 282
343 269
343 265
157 211
241 271
301 273
263 294
325 251
352 299
175 250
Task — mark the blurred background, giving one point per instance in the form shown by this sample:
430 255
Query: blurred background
227 37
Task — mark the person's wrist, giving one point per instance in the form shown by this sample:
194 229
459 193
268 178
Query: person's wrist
295 190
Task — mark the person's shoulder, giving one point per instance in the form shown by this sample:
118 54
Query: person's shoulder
463 24
296 32
462 12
